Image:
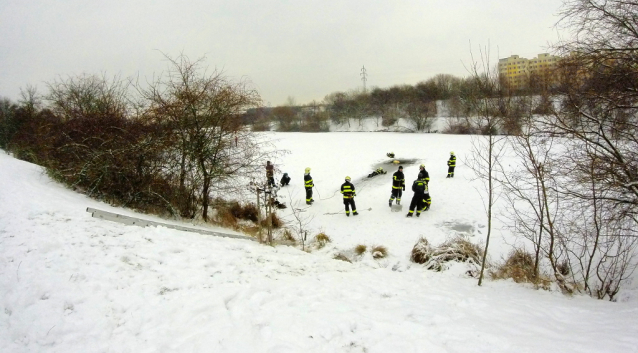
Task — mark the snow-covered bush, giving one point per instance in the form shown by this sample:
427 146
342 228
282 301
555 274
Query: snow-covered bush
457 249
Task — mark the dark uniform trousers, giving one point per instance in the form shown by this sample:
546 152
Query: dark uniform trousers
347 189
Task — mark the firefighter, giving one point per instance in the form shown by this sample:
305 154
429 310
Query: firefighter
285 179
418 187
390 154
427 200
270 174
451 163
398 186
425 173
377 172
347 189
308 185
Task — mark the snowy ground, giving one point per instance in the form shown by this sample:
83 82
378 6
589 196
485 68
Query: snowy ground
72 283
456 204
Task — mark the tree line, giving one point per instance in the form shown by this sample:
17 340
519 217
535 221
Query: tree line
415 104
164 146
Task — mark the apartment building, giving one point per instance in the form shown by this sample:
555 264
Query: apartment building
516 71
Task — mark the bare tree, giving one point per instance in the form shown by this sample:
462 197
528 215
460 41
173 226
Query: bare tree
88 96
421 114
486 150
214 152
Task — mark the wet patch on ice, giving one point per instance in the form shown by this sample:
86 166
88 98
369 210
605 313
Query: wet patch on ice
459 227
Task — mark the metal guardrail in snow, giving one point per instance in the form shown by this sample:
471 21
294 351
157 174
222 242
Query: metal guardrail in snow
115 217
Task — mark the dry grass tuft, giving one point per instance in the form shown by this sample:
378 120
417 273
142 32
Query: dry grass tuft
379 252
457 249
225 218
421 252
276 221
250 212
360 249
287 236
230 212
322 239
518 266
342 257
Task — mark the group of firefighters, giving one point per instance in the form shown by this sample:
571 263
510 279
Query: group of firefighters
421 200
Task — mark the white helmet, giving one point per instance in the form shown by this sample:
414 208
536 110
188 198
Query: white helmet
348 178
452 153
308 170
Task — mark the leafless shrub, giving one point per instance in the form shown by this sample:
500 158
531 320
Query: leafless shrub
247 211
458 126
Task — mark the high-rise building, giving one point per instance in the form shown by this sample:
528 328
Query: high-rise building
516 71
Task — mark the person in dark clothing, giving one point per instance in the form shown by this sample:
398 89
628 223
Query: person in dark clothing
285 180
398 186
425 173
390 154
270 174
308 184
418 187
347 189
451 163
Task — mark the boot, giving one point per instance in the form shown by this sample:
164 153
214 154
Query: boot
308 203
390 203
398 202
409 214
355 213
347 214
418 214
448 176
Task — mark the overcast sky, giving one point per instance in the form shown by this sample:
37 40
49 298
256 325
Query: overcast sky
303 49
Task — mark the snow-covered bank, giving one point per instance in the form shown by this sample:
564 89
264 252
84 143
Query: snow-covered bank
72 283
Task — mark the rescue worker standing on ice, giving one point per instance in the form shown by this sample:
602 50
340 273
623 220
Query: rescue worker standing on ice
398 186
347 189
426 175
451 163
308 184
418 186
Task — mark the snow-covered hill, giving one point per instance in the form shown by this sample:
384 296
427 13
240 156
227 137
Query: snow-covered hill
72 283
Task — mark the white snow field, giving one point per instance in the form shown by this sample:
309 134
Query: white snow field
72 283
